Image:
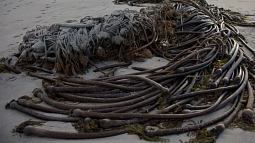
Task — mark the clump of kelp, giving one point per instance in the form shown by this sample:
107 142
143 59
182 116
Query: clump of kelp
3 68
239 123
207 71
21 126
135 2
126 35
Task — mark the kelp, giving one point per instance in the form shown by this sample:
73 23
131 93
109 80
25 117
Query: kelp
3 68
239 123
192 35
201 136
20 127
139 130
86 126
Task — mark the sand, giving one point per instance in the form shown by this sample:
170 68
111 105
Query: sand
18 16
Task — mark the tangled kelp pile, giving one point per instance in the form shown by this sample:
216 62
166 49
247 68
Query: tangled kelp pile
207 71
135 2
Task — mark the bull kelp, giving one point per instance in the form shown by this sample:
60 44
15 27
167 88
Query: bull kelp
206 71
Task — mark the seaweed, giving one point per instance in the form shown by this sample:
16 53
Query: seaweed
26 97
20 127
177 123
201 136
162 101
86 126
240 123
3 68
139 130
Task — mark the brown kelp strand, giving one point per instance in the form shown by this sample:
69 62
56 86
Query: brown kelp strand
80 113
65 106
89 89
107 123
247 113
112 66
225 80
151 99
217 82
30 130
206 71
37 75
71 89
146 80
164 132
219 128
15 105
201 92
104 100
179 103
38 68
225 66
116 95
10 67
119 84
237 92
30 104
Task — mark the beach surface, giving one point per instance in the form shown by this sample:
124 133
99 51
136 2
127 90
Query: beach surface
18 16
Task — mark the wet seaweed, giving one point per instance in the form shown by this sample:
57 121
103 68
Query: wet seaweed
139 129
86 126
20 127
201 136
240 123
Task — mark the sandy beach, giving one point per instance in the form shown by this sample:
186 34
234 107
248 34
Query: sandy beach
18 16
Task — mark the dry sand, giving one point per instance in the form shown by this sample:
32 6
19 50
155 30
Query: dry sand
18 16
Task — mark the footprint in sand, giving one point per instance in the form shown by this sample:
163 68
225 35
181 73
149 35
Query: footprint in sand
17 21
11 78
38 16
10 45
28 3
8 11
38 21
17 36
